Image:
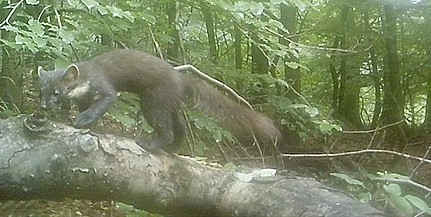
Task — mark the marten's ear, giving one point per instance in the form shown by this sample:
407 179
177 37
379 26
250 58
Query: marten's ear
72 73
40 71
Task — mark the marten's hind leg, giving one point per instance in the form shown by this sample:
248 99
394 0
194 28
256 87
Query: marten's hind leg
163 115
180 131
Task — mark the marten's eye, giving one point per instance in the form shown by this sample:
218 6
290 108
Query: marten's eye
56 92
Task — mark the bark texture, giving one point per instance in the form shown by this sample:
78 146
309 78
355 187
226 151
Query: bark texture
63 162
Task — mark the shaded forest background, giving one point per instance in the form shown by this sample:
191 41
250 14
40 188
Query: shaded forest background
336 76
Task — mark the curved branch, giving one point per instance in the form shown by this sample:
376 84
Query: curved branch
214 81
14 8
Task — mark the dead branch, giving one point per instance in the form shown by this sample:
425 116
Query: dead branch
213 81
344 154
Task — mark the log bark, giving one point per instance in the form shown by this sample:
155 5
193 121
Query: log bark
64 162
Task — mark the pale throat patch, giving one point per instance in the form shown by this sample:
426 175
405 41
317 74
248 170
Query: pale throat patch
80 90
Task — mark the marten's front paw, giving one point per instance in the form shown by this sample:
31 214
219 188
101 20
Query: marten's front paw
83 120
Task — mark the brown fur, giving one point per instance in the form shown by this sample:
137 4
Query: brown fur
93 86
245 124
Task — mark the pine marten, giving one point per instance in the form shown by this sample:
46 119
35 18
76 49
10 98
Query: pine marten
93 86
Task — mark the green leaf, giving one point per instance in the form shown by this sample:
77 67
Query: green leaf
149 18
280 53
73 3
257 9
217 135
10 28
102 10
32 2
312 111
26 42
402 205
419 203
118 12
40 42
66 36
10 44
348 179
276 24
229 167
90 3
326 127
292 65
392 189
282 83
36 27
20 40
122 118
131 211
55 42
276 2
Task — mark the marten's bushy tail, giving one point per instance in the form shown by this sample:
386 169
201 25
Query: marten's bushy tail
245 124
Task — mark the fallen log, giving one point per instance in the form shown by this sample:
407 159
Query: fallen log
59 161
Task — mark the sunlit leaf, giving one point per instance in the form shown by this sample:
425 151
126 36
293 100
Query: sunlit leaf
217 136
66 36
402 205
292 65
102 10
392 189
36 27
149 18
276 24
276 2
229 167
118 12
10 44
419 203
312 111
32 2
73 3
10 28
90 3
20 40
257 9
40 42
348 179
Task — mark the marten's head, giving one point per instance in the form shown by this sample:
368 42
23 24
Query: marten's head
59 85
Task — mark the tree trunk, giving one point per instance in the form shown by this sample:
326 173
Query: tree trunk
54 161
259 59
347 87
289 19
374 73
209 23
238 47
427 121
173 50
393 98
335 76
